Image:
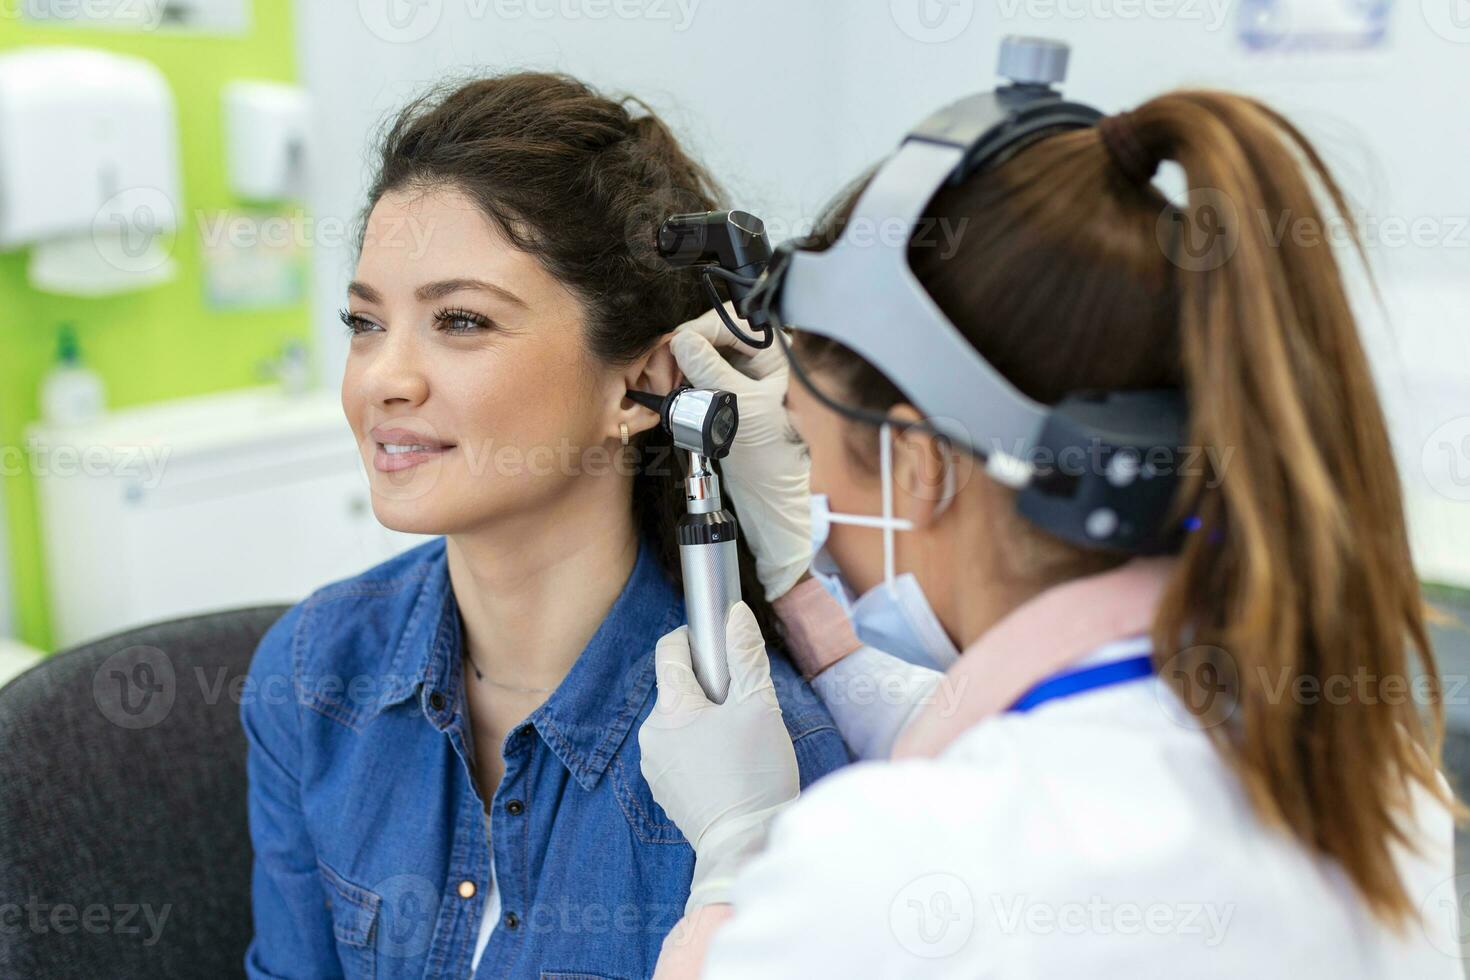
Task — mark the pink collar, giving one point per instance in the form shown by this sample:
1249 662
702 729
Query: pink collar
1043 635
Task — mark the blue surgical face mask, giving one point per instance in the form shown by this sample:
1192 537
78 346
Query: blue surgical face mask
894 616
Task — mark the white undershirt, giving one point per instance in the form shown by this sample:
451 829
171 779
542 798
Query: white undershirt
488 920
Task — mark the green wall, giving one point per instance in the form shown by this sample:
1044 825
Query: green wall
164 341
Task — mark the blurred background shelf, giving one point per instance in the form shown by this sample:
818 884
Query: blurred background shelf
241 498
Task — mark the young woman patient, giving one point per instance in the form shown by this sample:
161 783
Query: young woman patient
444 775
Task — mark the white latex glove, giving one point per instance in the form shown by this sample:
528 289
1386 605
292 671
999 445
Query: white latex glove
766 473
722 772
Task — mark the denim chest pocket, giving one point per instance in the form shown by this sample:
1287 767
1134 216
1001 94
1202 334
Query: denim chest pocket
649 822
576 975
354 923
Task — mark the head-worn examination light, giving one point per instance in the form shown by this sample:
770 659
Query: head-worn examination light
729 245
1098 469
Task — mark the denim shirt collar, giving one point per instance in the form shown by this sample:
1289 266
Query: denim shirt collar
590 713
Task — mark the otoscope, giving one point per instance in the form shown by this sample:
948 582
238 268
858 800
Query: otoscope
702 422
732 246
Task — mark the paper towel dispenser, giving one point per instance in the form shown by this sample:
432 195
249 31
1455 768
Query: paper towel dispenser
266 126
89 173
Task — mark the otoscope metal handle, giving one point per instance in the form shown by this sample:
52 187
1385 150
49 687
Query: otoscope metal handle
711 589
711 565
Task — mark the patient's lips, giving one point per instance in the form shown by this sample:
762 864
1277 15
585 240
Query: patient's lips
400 448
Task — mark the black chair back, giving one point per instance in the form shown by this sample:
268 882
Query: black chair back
124 848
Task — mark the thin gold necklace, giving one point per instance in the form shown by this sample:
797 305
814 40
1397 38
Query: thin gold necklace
480 676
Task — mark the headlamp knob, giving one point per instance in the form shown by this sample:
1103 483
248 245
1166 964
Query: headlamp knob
1033 60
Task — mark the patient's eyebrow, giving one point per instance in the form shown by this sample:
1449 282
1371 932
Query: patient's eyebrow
363 291
437 290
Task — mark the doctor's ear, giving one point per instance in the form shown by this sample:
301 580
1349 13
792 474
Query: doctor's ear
923 469
655 371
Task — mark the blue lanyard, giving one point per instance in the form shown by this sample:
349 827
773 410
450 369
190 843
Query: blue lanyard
1084 679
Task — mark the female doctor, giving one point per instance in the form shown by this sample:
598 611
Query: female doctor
1204 764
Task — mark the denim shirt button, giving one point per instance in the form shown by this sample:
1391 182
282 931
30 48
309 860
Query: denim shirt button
436 701
512 920
466 889
515 808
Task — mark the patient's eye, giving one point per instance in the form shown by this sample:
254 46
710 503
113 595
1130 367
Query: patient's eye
354 323
462 321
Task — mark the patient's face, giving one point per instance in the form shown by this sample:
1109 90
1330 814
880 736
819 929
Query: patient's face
468 341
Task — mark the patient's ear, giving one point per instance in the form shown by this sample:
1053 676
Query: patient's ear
655 371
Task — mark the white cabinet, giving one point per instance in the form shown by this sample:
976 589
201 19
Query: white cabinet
199 504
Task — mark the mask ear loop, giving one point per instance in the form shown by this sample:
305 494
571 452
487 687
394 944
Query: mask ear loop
949 479
891 523
887 522
885 456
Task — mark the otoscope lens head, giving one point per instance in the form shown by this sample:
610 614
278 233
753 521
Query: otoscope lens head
722 429
703 420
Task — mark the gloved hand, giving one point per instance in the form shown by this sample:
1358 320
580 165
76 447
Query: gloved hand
722 772
766 473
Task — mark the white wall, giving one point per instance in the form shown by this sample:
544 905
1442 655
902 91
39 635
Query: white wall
787 99
744 85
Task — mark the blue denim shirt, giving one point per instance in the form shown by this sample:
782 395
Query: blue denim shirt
372 844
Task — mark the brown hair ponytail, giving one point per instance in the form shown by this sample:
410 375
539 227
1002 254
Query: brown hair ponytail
1297 589
1311 577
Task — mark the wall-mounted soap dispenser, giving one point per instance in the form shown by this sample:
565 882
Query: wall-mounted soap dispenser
266 126
89 171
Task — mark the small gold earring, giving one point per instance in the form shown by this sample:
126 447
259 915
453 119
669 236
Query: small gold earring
623 430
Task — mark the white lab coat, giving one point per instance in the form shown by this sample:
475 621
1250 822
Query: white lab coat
1095 836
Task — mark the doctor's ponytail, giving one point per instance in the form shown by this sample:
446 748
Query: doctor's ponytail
1311 579
1296 595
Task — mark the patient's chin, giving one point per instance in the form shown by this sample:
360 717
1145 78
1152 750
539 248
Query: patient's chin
400 508
398 518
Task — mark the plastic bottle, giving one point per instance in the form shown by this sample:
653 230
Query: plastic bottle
71 393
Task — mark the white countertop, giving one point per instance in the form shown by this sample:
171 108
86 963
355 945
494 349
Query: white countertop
15 659
214 420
